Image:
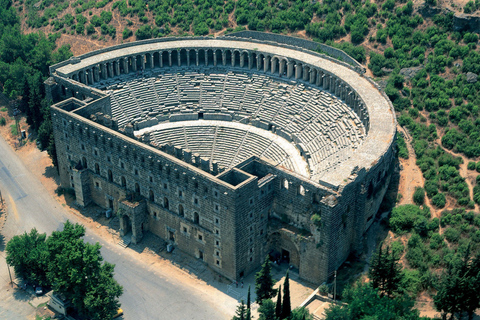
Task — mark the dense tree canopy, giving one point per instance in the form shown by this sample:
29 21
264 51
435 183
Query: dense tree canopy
70 266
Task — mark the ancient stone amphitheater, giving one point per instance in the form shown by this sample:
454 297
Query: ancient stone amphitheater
229 148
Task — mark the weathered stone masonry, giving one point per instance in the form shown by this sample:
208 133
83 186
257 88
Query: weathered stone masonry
229 216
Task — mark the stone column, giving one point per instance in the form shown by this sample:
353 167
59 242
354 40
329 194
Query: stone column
281 68
117 68
224 58
298 71
134 63
326 81
289 69
96 73
306 74
188 58
169 58
242 59
233 58
312 76
259 62
214 58
179 60
331 86
125 65
266 64
160 59
196 58
81 76
250 61
142 62
104 70
206 57
273 66
319 78
90 76
152 61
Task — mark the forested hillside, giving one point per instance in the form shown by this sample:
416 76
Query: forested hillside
429 71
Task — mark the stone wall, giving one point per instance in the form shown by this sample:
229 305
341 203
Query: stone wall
298 42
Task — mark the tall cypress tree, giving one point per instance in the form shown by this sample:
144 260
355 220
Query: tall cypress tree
286 306
264 283
249 312
278 307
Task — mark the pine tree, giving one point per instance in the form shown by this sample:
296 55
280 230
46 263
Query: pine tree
267 310
286 305
385 271
278 307
264 283
241 312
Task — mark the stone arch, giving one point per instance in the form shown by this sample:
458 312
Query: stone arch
236 58
183 57
201 57
165 59
282 247
244 59
228 57
140 61
260 61
208 57
192 54
156 59
218 57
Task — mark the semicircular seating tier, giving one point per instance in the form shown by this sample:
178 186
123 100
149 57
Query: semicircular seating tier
327 128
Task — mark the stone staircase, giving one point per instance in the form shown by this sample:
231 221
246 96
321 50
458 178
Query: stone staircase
125 241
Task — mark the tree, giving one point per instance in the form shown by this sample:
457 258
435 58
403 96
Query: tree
76 271
267 310
362 301
249 312
385 271
28 255
278 306
301 313
286 305
264 282
459 287
419 196
241 313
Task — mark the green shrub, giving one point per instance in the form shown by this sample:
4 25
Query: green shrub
436 241
439 200
478 166
397 249
403 218
127 33
471 165
3 121
452 235
419 196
